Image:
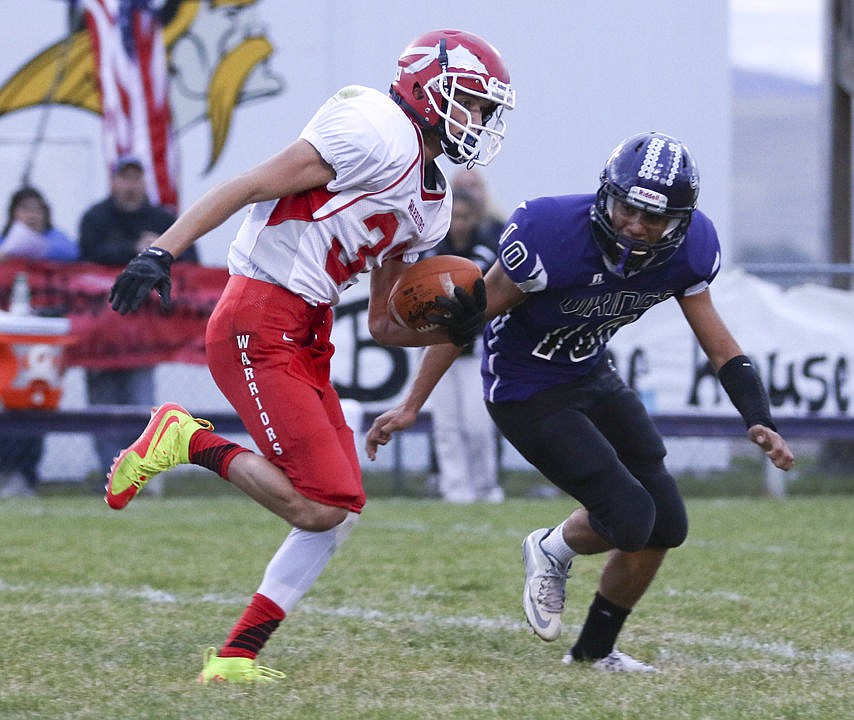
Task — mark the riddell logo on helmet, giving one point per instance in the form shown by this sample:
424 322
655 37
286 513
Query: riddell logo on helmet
647 196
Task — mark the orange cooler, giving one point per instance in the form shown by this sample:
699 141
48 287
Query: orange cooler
31 350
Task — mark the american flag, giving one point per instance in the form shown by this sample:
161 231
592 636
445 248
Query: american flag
130 57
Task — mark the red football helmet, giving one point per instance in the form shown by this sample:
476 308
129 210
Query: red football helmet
433 69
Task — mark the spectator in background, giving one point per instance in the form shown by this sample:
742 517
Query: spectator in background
125 223
28 233
466 444
113 232
473 182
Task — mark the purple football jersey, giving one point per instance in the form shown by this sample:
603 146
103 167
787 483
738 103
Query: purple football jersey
574 304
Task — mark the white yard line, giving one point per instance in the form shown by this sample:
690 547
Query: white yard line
677 648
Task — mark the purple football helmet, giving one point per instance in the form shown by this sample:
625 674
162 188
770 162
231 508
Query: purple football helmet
657 174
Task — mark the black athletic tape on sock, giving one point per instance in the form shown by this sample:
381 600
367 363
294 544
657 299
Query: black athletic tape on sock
212 457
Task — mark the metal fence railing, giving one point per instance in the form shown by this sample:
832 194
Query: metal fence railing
839 275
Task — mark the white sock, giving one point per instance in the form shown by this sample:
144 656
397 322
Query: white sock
299 562
556 546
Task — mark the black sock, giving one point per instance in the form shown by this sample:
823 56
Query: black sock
603 624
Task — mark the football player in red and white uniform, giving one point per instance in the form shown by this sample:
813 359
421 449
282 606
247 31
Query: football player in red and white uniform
358 192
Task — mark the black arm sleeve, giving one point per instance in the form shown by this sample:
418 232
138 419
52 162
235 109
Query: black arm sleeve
741 382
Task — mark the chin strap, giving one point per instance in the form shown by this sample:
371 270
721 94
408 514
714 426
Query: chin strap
443 62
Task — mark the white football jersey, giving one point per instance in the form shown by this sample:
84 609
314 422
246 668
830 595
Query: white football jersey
316 243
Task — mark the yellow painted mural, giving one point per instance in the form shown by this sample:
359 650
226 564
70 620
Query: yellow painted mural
218 53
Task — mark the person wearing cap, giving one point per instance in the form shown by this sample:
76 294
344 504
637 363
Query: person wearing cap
112 232
119 227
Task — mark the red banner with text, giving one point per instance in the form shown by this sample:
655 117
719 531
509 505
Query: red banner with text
100 337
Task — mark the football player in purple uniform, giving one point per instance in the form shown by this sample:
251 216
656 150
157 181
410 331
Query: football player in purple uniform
572 270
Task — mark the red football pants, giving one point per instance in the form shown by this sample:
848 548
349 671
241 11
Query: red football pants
269 352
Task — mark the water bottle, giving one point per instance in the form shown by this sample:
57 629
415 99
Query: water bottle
19 304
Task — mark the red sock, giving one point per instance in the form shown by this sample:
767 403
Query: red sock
213 452
260 618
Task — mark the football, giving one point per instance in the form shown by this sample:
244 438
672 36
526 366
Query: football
413 296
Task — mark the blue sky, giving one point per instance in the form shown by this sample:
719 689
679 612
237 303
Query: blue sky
786 37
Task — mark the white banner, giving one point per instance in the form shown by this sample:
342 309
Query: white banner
801 340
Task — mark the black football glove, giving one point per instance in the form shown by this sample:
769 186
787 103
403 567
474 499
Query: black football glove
464 316
146 272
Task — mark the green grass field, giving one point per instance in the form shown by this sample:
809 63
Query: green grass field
106 615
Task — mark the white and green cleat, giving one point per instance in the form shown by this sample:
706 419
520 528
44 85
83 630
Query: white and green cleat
235 670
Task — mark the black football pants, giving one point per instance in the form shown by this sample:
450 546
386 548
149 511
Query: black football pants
593 439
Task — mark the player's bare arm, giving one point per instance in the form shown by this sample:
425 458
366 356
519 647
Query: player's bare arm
501 292
721 348
434 363
709 329
297 168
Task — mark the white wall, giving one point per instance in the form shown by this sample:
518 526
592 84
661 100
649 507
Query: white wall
587 74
